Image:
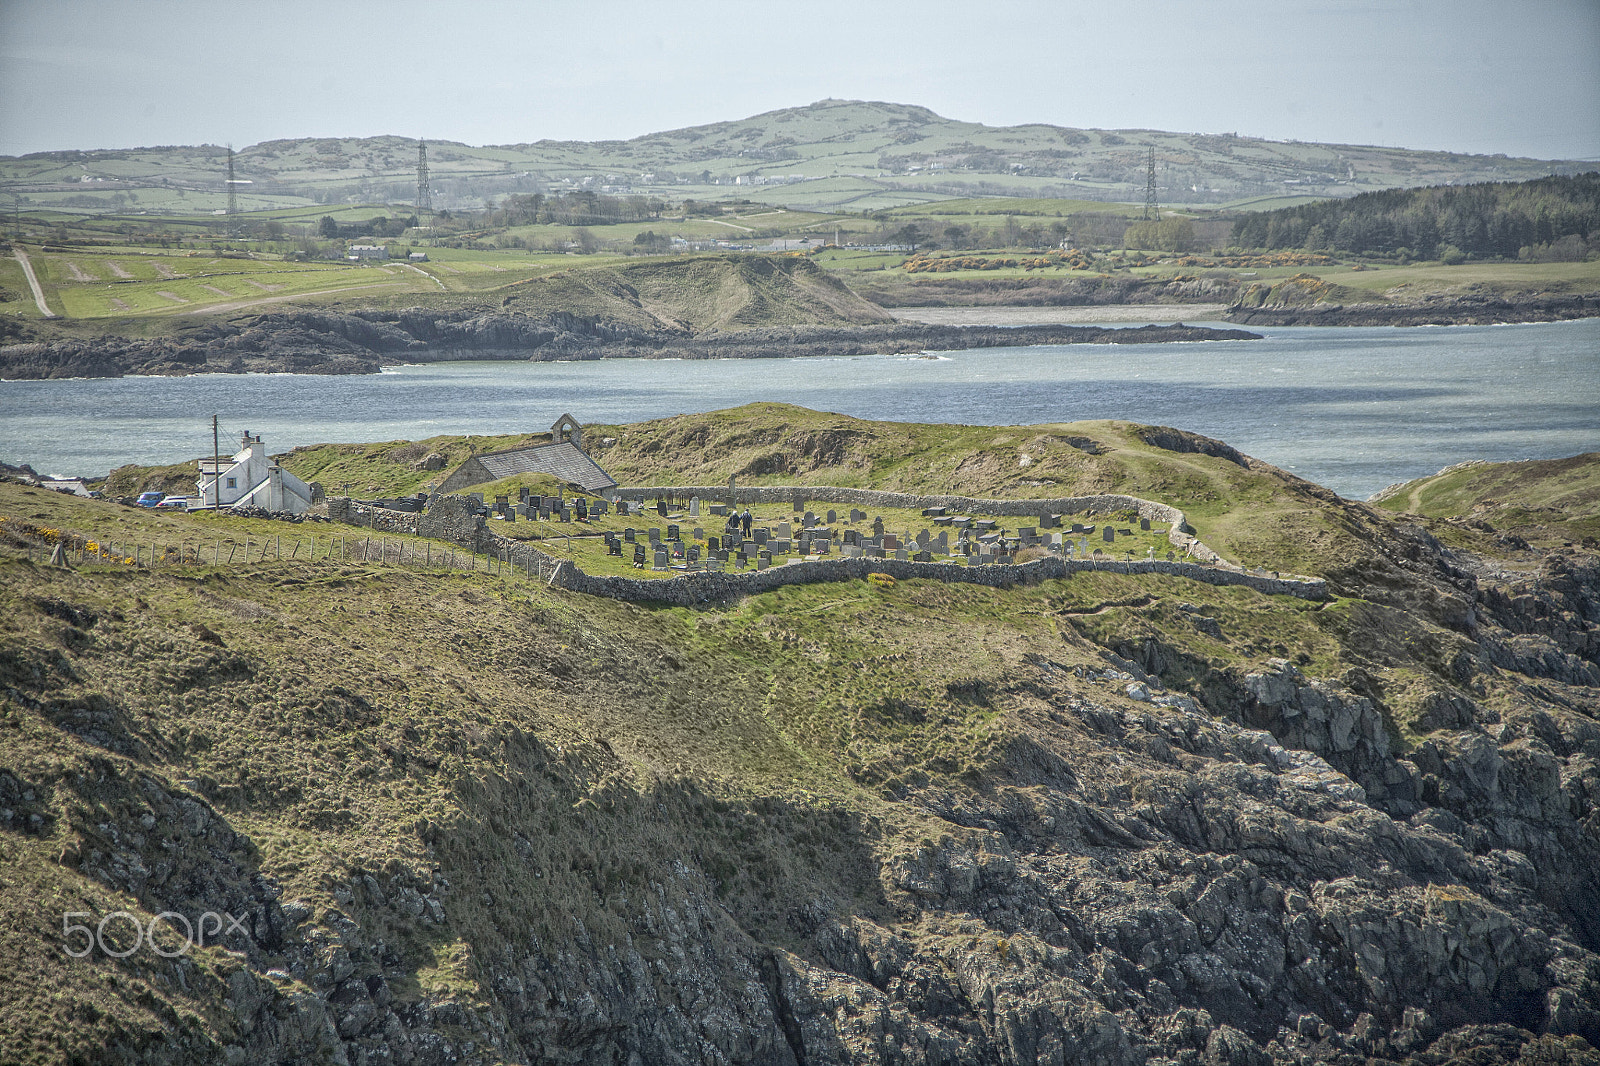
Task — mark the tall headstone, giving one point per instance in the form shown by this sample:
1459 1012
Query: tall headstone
694 507
1144 524
1109 535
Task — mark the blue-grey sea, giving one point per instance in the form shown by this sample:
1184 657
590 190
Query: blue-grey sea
1352 408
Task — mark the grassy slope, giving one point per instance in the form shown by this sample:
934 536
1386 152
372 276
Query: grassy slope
1546 501
698 292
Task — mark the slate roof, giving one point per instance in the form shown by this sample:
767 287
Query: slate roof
565 460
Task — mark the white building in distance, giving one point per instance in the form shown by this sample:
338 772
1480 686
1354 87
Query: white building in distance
252 479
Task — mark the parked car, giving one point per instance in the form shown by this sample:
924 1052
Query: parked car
151 499
174 503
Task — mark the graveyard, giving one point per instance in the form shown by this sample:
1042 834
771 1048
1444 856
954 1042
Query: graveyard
662 537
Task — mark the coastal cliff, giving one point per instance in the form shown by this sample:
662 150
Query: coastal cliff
1115 819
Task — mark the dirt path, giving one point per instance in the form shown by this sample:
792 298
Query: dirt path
730 225
33 283
171 296
78 273
118 269
236 305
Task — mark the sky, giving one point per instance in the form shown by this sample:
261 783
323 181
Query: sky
1483 76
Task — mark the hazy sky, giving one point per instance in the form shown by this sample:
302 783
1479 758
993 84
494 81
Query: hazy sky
1514 76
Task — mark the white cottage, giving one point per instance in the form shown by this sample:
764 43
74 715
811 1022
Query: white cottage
252 479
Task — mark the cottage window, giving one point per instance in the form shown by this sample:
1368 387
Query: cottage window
233 483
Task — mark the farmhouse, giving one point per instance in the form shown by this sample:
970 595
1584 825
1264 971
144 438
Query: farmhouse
252 479
563 457
367 251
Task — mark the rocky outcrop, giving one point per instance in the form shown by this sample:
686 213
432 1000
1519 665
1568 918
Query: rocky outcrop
304 342
1449 310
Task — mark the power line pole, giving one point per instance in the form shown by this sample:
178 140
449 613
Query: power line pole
233 197
1151 209
424 194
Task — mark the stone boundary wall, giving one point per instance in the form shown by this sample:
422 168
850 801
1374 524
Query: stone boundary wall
691 589
451 518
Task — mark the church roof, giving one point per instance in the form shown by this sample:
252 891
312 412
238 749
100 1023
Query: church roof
564 460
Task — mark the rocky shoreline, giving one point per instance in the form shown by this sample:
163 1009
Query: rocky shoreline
1473 310
331 343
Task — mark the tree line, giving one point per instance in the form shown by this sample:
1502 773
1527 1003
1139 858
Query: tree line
1498 220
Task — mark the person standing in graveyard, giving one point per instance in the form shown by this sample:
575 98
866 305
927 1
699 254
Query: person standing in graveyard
745 520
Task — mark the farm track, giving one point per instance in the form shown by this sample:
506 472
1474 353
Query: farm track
33 283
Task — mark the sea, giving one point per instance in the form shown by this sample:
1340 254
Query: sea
1354 409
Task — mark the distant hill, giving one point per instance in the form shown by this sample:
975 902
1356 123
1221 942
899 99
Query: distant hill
833 153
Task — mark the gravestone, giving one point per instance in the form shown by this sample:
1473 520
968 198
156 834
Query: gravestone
1027 533
874 553
719 509
763 560
655 534
693 555
661 507
713 564
922 538
581 505
698 534
614 547
1109 535
662 560
510 515
902 555
857 516
784 531
600 507
1083 545
677 548
638 555
564 515
877 526
672 532
943 520
809 519
714 543
782 547
628 534
932 512
694 507
1144 524
760 536
833 516
923 557
890 541
1169 557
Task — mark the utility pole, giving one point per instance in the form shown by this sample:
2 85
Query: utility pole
216 467
1151 209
